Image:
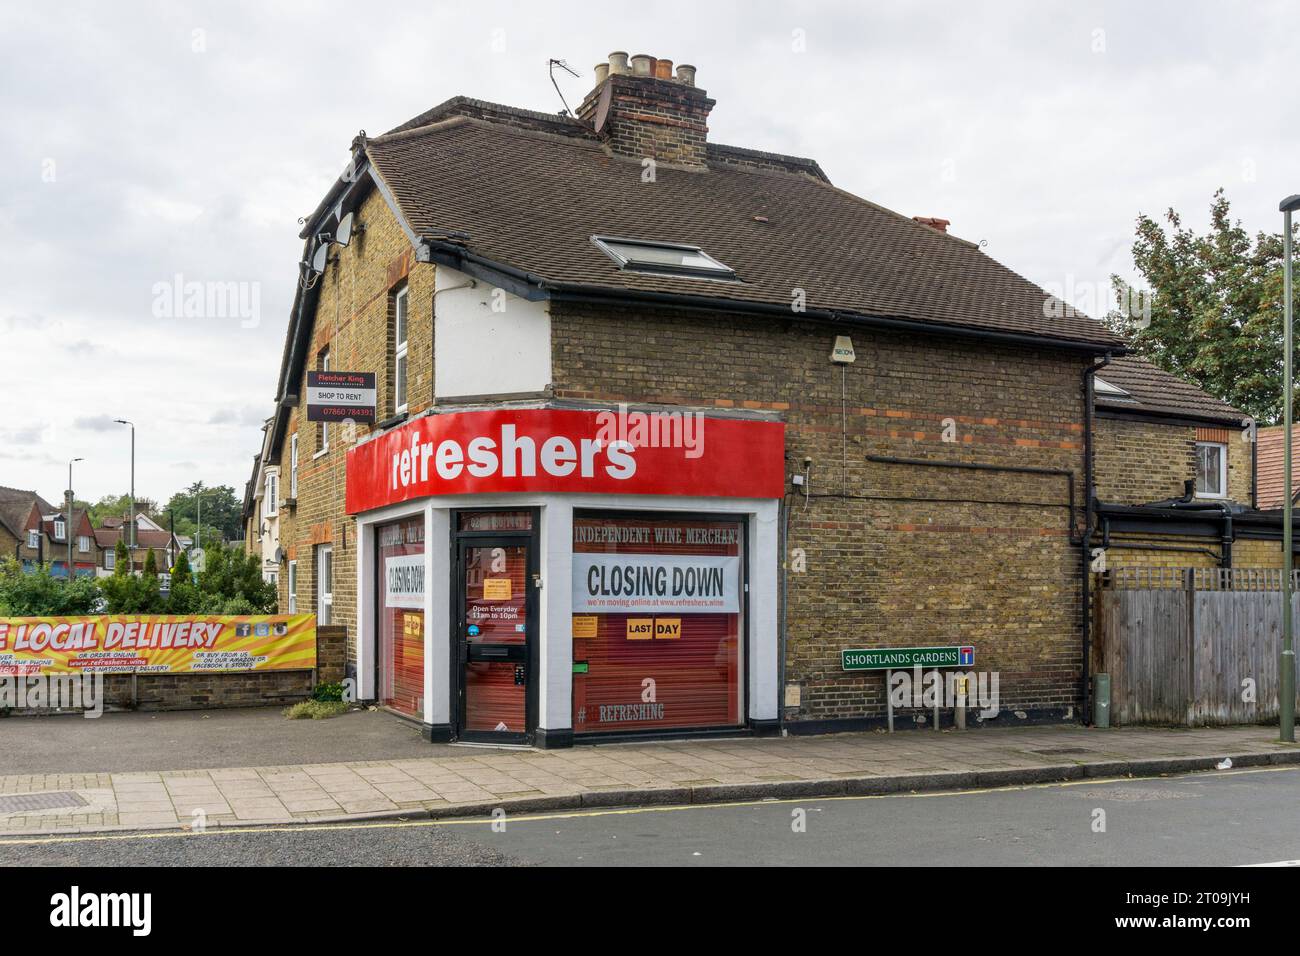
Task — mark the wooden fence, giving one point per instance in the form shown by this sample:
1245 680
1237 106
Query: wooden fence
1192 646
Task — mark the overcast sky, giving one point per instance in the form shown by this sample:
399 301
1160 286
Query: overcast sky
146 141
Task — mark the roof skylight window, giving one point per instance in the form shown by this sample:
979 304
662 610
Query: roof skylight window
668 258
1103 387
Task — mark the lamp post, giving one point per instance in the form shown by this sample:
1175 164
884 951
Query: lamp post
1286 665
67 524
123 421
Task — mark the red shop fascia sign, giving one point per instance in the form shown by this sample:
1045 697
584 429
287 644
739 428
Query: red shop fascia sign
556 450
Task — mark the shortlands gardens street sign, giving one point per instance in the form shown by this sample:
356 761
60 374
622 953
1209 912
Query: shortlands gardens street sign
899 658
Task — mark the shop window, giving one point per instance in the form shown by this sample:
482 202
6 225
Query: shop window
658 607
401 615
1211 469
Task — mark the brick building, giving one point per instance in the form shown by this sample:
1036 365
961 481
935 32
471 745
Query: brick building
876 435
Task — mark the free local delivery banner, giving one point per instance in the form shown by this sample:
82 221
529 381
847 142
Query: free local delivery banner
156 644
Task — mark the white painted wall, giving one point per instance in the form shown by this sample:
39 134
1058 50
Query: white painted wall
487 341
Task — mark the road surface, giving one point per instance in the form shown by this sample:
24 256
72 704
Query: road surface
1222 818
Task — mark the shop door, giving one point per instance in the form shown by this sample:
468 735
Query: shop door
495 627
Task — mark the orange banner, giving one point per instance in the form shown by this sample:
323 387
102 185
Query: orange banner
156 644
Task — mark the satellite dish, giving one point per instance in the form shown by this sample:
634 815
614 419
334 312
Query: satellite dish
279 555
603 106
343 234
319 257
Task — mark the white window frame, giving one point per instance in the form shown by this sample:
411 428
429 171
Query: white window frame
33 538
324 433
110 559
324 584
1223 470
293 466
401 340
293 587
83 544
60 530
271 506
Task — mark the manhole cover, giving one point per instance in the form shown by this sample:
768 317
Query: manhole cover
20 802
1061 751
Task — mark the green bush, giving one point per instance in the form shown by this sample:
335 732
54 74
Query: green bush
38 594
231 583
328 692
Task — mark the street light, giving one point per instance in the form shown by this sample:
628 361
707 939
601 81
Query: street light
1286 675
123 421
67 524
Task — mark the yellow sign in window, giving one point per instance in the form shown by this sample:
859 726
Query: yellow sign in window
496 589
668 628
584 626
640 628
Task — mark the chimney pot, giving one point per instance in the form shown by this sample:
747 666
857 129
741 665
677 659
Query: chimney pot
618 62
602 73
686 74
664 69
642 64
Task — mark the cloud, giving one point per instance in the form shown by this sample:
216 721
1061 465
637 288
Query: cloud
1041 128
97 423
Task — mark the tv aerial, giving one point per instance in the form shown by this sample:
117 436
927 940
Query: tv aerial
551 64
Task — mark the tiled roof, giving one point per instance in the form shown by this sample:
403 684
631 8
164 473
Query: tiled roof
531 199
1269 453
16 507
1153 391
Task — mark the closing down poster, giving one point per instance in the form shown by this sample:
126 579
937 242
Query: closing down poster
683 584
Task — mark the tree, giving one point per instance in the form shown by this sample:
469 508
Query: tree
1215 307
231 583
185 597
38 594
222 512
127 593
117 506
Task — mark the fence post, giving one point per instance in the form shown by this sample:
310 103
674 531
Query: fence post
1190 703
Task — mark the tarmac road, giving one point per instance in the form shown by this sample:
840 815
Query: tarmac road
1223 818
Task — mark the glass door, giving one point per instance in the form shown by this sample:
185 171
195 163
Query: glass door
495 624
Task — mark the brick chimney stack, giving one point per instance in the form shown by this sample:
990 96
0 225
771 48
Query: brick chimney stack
934 223
641 108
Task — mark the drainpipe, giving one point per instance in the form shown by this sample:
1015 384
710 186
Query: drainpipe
1085 557
784 518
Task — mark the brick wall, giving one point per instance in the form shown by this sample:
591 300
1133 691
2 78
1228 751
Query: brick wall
354 320
241 689
1141 462
884 567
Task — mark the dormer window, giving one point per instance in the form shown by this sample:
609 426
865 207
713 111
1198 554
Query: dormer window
1103 387
665 258
60 529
